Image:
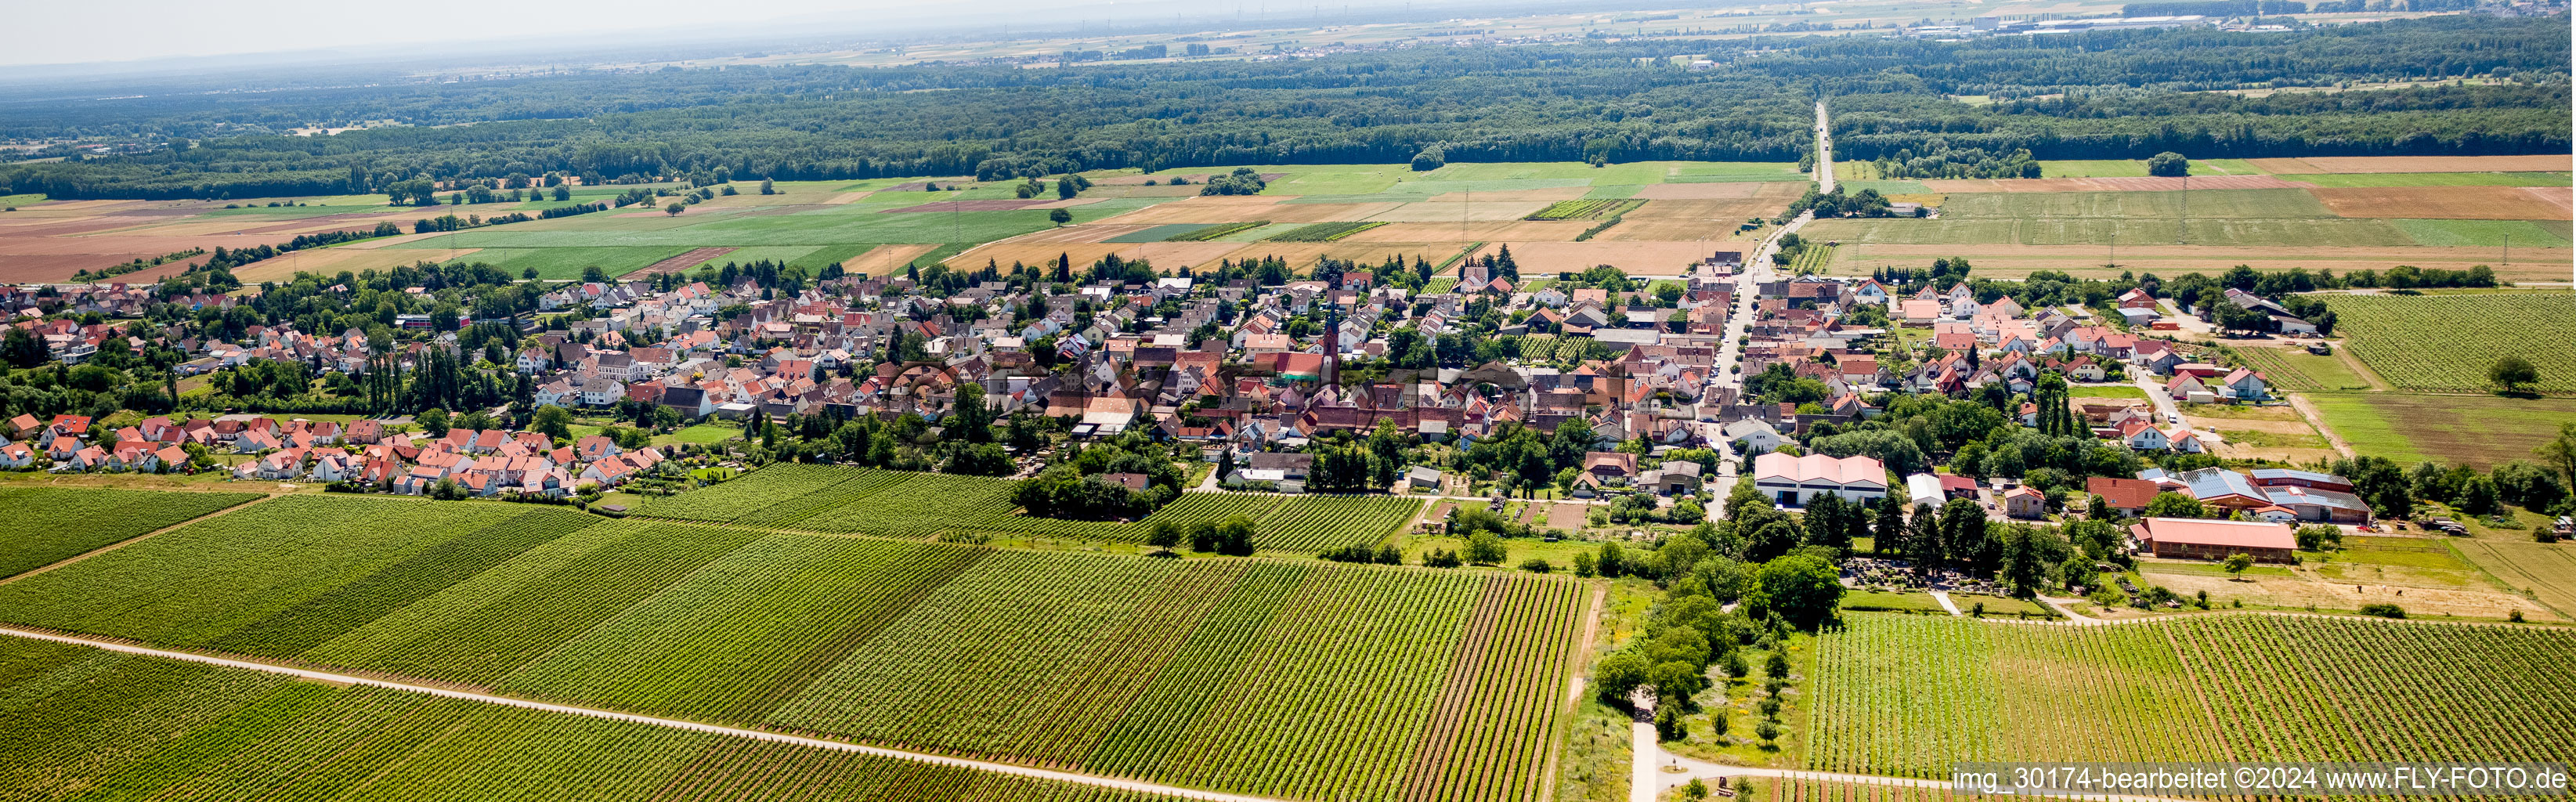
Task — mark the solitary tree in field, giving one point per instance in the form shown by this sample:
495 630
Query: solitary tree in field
2513 373
673 209
1059 216
2236 564
2168 165
767 187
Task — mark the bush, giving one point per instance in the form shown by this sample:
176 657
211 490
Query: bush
2383 610
1536 566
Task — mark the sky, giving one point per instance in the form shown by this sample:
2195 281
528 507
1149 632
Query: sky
146 29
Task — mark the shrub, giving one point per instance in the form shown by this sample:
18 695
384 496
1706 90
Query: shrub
2383 610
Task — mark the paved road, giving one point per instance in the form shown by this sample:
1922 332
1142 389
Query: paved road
1944 598
346 679
1730 351
1824 152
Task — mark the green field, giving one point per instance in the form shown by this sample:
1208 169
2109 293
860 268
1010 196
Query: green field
561 264
1908 695
1161 232
2300 371
922 505
2479 430
48 525
2093 168
2483 233
83 723
2260 217
2432 179
2446 342
1299 678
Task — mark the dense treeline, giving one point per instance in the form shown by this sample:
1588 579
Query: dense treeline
2113 94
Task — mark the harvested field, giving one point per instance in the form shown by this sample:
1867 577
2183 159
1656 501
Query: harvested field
1637 258
1548 194
2414 164
2003 260
682 262
987 205
880 259
850 197
1302 255
57 258
334 260
1175 255
2448 203
1238 208
1434 212
1713 190
2137 184
1029 253
1489 230
1671 220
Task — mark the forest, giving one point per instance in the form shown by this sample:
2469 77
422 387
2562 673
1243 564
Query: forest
2100 95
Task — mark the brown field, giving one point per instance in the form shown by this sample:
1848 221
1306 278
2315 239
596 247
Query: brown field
1637 258
1436 212
1558 230
2414 164
850 197
2425 593
1547 194
2128 184
334 260
1302 255
35 259
1066 203
2273 427
1671 220
682 262
2448 203
1245 208
2085 261
1568 517
1714 190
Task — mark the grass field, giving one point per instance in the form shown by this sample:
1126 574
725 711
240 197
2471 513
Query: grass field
2545 571
83 722
1301 679
922 505
1907 695
2497 234
49 525
2446 342
2300 371
2479 430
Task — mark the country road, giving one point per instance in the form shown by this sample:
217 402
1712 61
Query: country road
1824 152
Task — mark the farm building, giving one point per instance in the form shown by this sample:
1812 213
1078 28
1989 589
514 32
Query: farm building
2195 538
2125 496
1793 480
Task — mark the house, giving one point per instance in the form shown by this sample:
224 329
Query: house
2023 502
2245 385
1611 467
1791 481
17 455
2204 539
1422 477
2125 496
1752 436
1673 478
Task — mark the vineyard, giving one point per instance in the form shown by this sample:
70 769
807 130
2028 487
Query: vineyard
906 504
1323 232
1298 679
1560 349
1909 695
1585 209
84 722
48 525
2446 342
1215 232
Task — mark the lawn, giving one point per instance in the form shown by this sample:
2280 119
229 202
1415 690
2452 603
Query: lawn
2481 431
1892 602
705 434
2298 370
2105 391
2446 342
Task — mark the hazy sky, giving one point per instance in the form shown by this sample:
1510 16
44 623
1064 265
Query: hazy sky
70 32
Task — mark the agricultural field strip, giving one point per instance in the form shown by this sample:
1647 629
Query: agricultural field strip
57 525
756 735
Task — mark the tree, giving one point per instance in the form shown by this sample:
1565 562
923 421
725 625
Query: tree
552 421
22 350
1619 675
1801 588
1483 548
433 421
2168 165
2170 504
674 209
768 187
1164 534
2561 452
2236 564
2513 373
1059 216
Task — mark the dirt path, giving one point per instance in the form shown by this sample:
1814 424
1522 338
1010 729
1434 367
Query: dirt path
943 760
2309 411
135 539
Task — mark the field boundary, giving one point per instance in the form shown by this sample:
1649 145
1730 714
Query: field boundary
135 539
677 724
